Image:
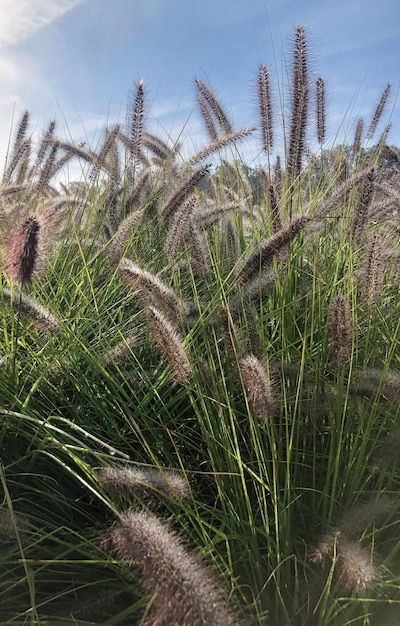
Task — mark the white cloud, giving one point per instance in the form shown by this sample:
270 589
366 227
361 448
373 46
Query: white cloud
20 18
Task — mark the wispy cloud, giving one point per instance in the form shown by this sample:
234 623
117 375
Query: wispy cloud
21 18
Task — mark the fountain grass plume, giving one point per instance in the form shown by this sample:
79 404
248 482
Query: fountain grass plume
321 110
129 481
45 143
121 237
265 253
158 147
22 129
366 516
259 388
23 249
135 126
179 228
41 317
371 381
19 145
378 112
354 571
218 143
140 192
48 170
359 216
265 108
185 590
357 572
259 287
358 136
170 343
237 179
387 451
200 261
340 331
215 107
373 271
18 157
208 117
144 281
300 95
342 550
183 191
120 352
110 137
336 199
22 167
278 177
273 203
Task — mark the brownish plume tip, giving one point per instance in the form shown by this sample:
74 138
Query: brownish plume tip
22 250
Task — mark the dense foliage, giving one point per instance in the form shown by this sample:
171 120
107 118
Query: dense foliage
199 374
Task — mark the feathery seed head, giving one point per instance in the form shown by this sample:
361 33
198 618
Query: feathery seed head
265 108
180 194
378 111
387 452
269 248
373 271
365 516
41 317
218 143
356 571
10 522
360 213
179 228
208 117
151 288
186 591
276 221
22 128
340 332
120 352
170 344
321 115
22 250
358 136
220 118
129 481
258 387
367 382
300 101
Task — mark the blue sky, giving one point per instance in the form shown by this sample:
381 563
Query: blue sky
78 60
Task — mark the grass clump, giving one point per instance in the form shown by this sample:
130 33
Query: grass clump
199 375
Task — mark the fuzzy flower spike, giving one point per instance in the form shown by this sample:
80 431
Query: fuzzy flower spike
23 249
